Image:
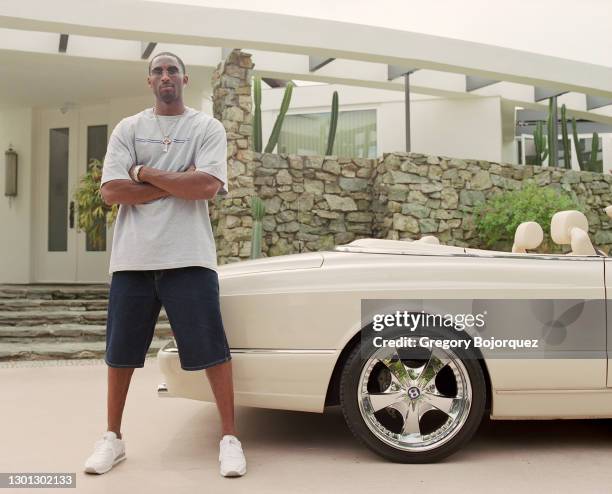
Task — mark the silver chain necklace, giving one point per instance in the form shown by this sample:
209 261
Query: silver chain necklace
166 141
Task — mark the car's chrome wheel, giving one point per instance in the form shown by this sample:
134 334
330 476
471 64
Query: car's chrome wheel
412 404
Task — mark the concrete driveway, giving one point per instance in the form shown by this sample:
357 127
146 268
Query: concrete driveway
52 413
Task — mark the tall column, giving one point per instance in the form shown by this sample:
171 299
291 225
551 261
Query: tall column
231 91
553 153
407 109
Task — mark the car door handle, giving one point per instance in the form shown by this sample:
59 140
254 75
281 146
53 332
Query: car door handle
71 214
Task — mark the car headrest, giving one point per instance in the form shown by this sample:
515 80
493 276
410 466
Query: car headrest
562 224
528 235
609 211
428 239
572 227
581 243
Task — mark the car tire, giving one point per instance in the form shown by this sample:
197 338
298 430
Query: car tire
439 404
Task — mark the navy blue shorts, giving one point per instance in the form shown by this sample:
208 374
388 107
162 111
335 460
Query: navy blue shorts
190 296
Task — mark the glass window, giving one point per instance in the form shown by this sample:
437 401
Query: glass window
519 150
306 134
57 221
561 153
530 151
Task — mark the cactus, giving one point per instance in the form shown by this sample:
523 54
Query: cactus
588 163
594 165
540 144
257 115
258 210
279 119
552 136
567 149
333 124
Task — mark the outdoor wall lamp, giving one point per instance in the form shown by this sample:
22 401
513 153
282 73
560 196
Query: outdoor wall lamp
10 172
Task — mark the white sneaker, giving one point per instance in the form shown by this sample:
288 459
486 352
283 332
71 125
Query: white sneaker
107 453
231 457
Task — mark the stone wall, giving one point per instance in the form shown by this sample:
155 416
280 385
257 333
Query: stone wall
417 195
314 202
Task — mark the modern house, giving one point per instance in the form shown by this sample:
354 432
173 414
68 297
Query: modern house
72 69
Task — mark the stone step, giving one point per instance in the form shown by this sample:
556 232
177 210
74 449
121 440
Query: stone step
67 332
54 291
63 350
40 317
21 304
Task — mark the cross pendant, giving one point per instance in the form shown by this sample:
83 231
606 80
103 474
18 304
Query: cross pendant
166 142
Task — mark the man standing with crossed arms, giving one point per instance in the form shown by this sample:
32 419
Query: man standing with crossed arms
162 166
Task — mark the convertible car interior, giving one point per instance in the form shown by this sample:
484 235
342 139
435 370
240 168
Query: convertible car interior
566 228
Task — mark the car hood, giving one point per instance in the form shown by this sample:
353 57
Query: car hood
309 260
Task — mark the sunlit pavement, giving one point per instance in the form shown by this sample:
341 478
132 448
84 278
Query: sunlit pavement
53 413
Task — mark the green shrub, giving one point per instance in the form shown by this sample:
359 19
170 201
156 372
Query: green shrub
497 218
92 213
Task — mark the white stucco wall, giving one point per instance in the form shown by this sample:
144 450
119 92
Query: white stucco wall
462 128
508 131
15 213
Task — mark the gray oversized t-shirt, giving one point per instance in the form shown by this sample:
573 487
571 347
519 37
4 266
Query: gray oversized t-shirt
169 232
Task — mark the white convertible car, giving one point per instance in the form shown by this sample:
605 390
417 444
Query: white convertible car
294 325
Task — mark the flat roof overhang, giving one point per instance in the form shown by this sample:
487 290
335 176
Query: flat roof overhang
200 25
361 53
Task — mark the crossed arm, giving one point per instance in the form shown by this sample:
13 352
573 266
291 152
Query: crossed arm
189 184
